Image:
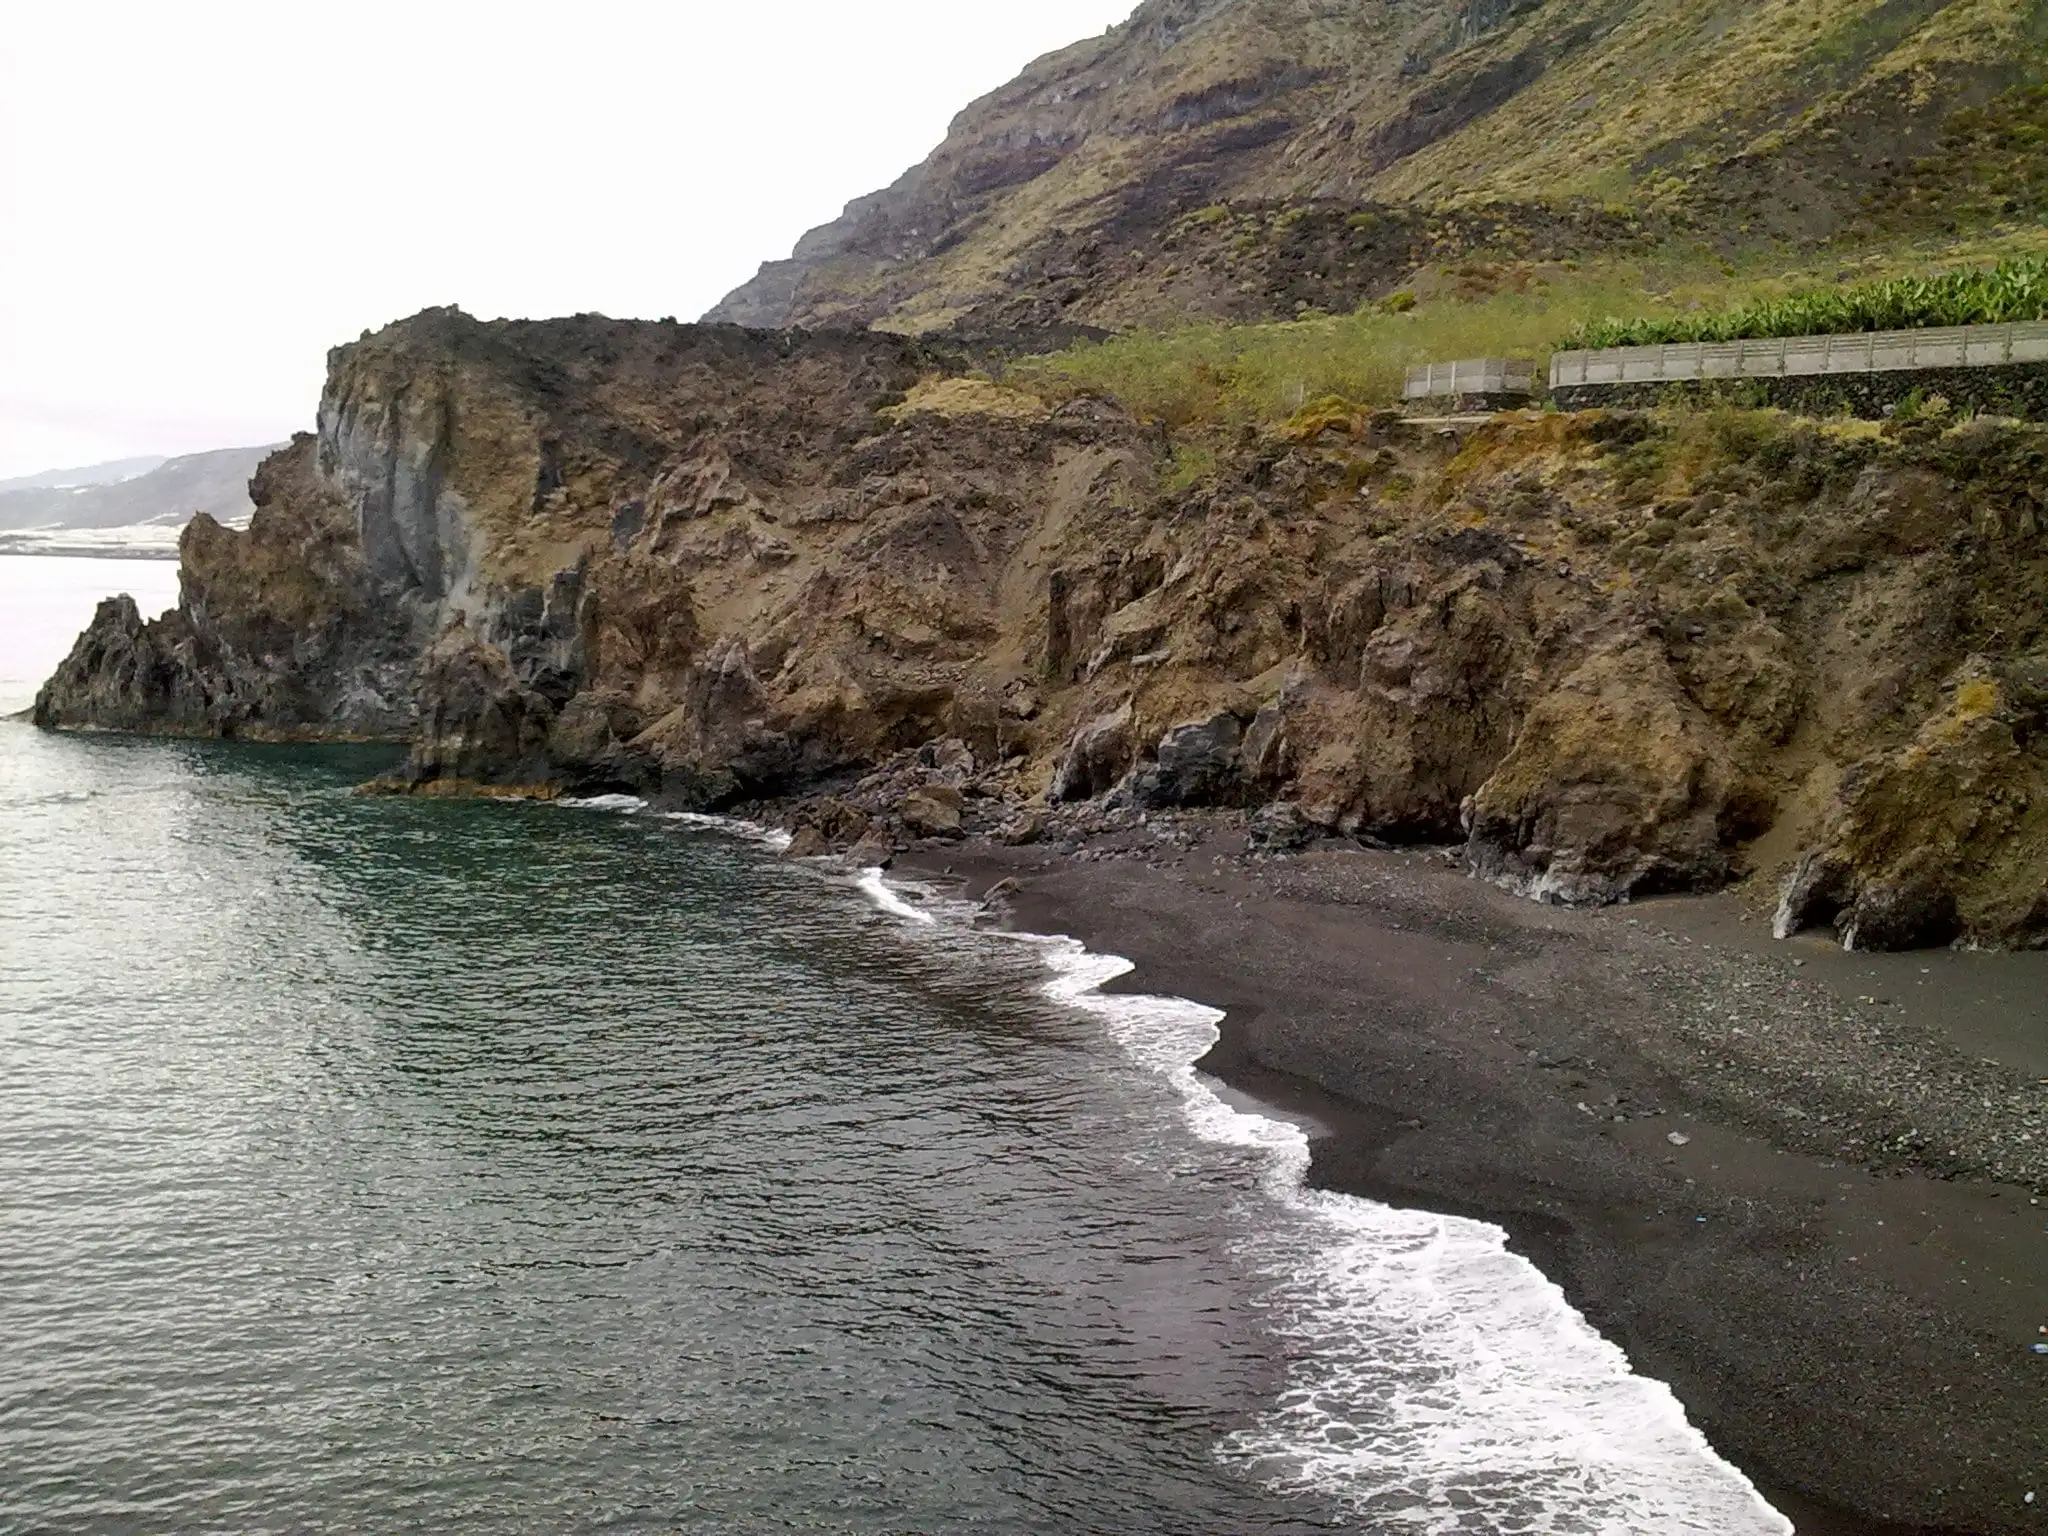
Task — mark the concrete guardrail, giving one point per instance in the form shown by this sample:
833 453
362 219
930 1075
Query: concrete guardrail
1962 346
1472 376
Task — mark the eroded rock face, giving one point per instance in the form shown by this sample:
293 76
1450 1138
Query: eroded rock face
281 632
714 566
1942 838
477 720
1617 785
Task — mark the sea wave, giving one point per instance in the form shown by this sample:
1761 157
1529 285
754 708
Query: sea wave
1438 1382
772 838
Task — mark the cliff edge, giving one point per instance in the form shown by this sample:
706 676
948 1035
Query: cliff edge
1609 654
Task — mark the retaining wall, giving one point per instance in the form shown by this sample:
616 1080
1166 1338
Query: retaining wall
2017 389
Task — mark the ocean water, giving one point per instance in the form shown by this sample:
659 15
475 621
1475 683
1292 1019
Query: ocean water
45 600
375 1165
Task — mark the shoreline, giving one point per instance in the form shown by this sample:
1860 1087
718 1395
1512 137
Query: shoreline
164 554
1856 1343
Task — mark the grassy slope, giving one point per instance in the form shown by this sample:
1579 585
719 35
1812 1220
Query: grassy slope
1220 375
1677 86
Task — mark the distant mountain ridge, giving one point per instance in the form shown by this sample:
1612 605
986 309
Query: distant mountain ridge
162 492
1383 135
109 473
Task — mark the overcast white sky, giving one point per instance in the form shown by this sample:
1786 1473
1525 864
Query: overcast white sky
198 199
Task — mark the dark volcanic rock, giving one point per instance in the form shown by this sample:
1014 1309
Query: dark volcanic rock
125 675
1814 894
476 720
280 633
933 811
1196 764
717 566
1280 828
1915 911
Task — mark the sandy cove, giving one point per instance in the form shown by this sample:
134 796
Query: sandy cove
1802 1187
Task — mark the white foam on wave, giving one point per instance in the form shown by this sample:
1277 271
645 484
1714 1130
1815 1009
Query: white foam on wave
772 838
1439 1383
875 885
617 805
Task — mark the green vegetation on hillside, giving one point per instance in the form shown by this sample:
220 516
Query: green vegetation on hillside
1215 374
1212 374
2011 291
1988 168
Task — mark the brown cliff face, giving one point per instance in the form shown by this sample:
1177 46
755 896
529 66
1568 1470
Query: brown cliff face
1613 654
1389 134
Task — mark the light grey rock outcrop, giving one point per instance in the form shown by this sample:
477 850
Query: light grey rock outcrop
1097 757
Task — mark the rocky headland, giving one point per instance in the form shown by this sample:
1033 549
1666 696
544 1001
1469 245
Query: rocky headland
854 584
1608 654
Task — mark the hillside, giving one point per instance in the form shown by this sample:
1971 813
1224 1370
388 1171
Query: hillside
1248 159
89 474
167 494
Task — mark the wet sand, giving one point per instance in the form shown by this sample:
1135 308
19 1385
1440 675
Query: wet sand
1808 1196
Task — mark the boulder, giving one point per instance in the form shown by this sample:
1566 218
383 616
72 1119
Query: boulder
1280 828
1264 753
873 851
1916 909
976 722
836 822
934 811
1197 764
806 843
950 762
1024 829
1097 756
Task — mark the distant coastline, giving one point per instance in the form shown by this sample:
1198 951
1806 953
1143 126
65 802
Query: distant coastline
151 543
86 552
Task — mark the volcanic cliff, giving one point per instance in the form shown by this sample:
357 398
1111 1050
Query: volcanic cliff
1608 653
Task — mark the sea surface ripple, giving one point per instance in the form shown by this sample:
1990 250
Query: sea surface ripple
378 1165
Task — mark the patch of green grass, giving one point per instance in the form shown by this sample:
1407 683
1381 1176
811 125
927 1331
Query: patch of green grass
1192 463
2012 290
1219 374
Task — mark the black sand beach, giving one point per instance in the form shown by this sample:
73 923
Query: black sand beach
1804 1188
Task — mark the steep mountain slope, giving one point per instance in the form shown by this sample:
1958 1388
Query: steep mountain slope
1392 132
